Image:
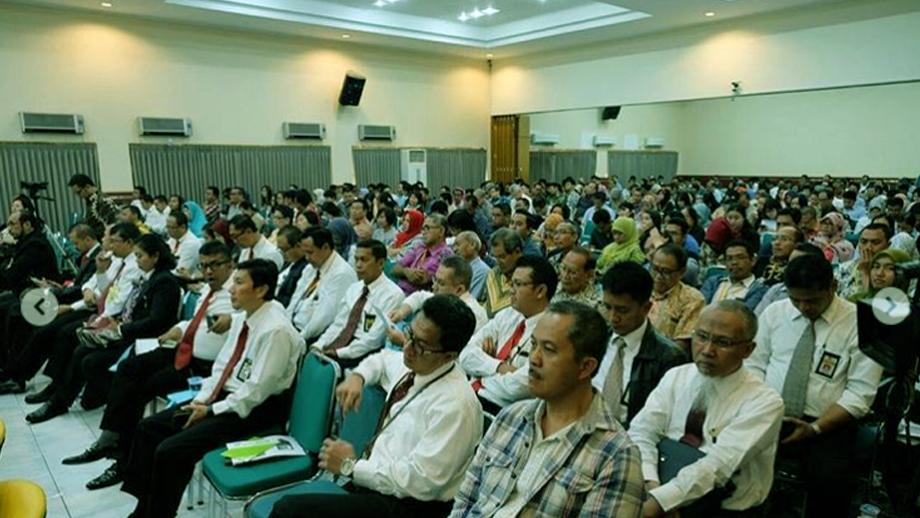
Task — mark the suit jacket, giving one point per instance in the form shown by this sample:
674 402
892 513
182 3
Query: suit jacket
156 309
33 257
657 355
755 292
74 292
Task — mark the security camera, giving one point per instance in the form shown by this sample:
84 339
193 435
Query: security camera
736 87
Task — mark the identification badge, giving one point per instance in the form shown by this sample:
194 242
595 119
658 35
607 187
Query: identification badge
245 370
828 364
369 320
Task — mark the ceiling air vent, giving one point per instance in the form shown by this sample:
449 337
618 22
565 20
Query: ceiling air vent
158 126
51 123
370 132
297 130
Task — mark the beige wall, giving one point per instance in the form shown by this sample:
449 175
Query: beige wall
237 87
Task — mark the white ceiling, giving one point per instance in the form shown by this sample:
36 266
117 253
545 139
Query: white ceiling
520 26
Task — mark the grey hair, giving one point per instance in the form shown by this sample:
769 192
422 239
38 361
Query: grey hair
438 218
472 237
747 316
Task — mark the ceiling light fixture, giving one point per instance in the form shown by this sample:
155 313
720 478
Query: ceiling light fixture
346 36
490 11
106 4
476 13
710 14
463 17
489 56
380 3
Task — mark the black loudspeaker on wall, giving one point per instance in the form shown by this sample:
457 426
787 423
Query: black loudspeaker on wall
352 88
610 113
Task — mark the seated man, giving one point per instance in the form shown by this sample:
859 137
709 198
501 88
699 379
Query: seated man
637 356
808 351
675 306
496 357
576 277
33 256
784 242
322 285
507 248
563 453
429 428
718 407
132 215
738 282
601 235
246 392
163 370
467 245
853 275
452 278
288 242
779 291
253 245
357 331
183 244
525 223
416 268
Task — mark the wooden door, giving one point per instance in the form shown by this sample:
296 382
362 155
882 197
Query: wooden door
510 148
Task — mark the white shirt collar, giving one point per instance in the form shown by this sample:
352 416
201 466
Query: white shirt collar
633 338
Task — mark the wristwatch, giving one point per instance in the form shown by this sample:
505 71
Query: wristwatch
348 467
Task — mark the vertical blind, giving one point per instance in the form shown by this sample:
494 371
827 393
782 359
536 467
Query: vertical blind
555 165
54 163
460 167
188 169
642 164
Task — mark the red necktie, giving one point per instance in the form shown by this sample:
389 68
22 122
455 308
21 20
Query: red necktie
184 351
234 359
693 429
505 351
352 325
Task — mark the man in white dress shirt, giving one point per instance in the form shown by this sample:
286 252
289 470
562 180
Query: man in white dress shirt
358 329
430 426
718 407
452 278
497 356
808 351
183 244
247 391
319 293
253 245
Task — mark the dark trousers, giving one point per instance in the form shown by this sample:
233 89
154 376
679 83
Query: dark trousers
827 468
10 320
163 455
138 380
42 345
89 366
358 503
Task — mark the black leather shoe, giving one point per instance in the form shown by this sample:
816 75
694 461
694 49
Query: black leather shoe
42 396
45 412
109 477
92 454
11 387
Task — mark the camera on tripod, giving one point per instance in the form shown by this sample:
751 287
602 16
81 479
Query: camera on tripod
33 186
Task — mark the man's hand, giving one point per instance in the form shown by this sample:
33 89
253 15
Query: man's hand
399 314
396 336
505 368
64 308
489 347
417 276
174 334
651 508
89 297
333 453
102 263
221 325
348 393
802 432
199 412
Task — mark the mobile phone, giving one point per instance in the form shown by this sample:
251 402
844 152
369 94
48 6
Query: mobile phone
211 319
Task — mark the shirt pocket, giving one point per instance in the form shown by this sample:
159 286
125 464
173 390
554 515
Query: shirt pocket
566 492
498 478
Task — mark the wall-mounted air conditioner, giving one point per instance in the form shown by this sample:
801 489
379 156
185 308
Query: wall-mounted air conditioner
414 165
543 139
374 132
159 126
296 130
51 123
602 141
654 142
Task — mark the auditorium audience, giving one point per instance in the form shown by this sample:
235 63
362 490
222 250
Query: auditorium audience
417 266
183 244
675 306
468 246
853 275
295 261
738 281
784 242
625 245
252 244
576 279
452 278
507 248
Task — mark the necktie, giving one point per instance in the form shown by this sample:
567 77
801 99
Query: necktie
175 249
399 392
234 359
795 387
184 350
105 292
312 287
693 429
84 259
128 313
505 351
352 325
613 383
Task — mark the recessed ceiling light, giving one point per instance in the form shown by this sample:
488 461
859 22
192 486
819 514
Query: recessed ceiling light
106 4
710 14
476 13
346 36
463 17
489 56
490 10
380 3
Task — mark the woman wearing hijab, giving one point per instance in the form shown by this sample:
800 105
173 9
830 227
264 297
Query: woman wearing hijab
831 238
625 246
196 217
343 236
411 228
883 273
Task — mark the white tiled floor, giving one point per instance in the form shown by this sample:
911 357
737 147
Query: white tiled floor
34 452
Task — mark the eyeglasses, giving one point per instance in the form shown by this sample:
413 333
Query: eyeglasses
663 272
412 342
720 342
213 265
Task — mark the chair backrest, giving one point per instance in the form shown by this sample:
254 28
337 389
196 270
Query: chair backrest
358 427
187 305
313 402
22 499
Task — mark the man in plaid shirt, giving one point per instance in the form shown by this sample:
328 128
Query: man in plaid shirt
562 454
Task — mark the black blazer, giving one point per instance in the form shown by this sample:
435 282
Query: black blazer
74 292
157 307
33 257
656 356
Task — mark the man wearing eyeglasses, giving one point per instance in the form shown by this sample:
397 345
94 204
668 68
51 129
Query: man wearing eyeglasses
576 278
417 267
675 306
188 349
719 408
497 356
253 245
428 430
